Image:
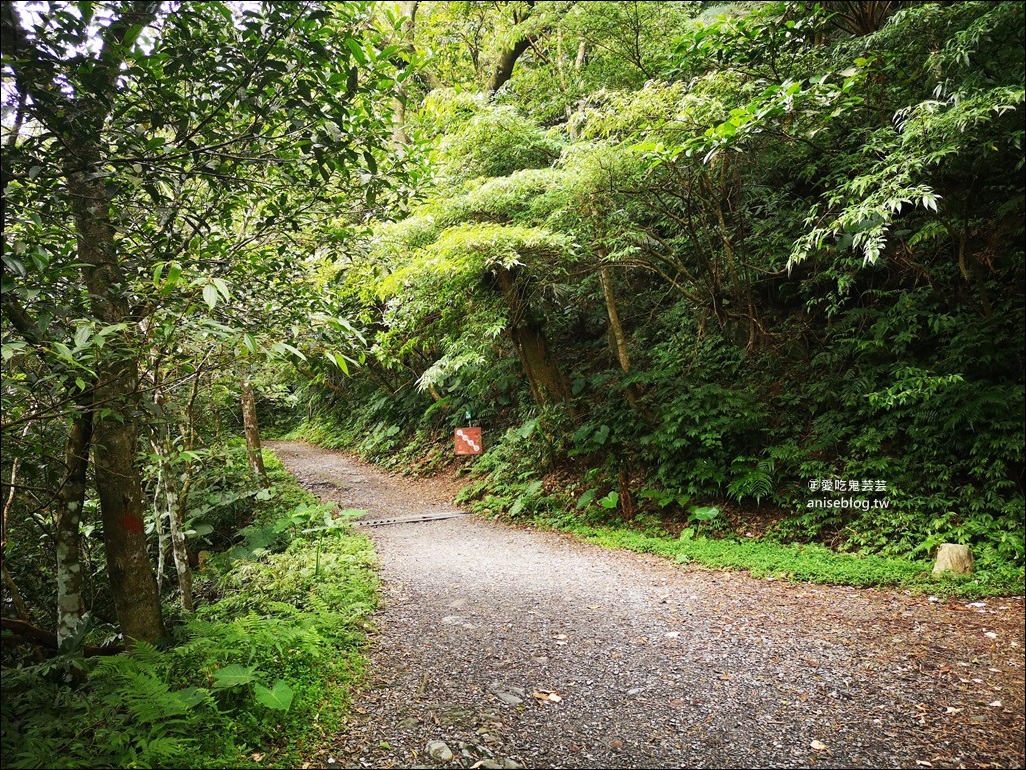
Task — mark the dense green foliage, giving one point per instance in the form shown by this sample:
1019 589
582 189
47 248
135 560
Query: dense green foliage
267 659
813 240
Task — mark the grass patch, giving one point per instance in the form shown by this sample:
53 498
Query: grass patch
259 675
796 562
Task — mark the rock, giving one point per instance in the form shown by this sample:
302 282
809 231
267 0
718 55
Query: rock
507 697
439 751
953 558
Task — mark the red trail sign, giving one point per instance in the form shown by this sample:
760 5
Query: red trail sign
468 441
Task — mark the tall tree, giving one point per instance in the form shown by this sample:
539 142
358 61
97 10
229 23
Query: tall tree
154 128
76 119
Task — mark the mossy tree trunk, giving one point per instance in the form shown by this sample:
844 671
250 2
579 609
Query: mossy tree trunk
548 386
251 426
70 602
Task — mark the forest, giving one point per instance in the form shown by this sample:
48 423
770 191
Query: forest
742 281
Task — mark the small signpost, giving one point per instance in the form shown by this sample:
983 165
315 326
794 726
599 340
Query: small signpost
468 441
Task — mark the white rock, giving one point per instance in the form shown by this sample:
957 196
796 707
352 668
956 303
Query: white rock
439 751
952 557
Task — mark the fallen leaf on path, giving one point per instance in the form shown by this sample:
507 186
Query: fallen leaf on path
818 745
995 704
990 634
951 710
546 695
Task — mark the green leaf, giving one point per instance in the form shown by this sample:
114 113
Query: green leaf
278 697
281 348
527 428
190 696
587 497
210 295
358 53
234 675
610 500
222 287
533 488
82 334
705 514
338 360
9 349
174 272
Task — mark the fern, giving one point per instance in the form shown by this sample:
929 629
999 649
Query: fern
751 480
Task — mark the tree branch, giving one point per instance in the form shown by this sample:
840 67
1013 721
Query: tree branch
29 634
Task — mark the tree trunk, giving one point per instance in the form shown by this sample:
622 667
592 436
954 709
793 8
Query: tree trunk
158 529
252 428
178 547
626 502
582 54
19 604
618 341
543 373
408 12
70 603
169 505
77 118
508 56
115 439
506 61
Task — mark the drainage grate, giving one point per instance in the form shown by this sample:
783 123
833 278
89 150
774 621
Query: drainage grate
408 519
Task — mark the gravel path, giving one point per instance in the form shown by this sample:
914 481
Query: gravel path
515 647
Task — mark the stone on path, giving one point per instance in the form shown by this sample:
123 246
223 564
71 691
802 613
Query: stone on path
439 751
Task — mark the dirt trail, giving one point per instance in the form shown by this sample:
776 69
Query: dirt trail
515 647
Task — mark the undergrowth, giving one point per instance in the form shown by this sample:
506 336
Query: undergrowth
261 670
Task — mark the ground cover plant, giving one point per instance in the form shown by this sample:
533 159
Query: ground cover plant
261 670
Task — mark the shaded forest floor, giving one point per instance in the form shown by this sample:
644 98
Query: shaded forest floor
504 646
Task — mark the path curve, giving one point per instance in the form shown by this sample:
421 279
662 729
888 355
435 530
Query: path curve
516 647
